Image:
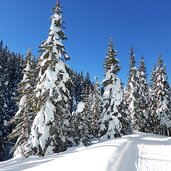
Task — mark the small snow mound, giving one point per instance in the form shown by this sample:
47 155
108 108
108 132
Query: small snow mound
80 107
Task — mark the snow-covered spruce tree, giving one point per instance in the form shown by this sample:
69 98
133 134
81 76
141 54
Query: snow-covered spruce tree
84 120
51 129
163 99
83 117
132 68
109 124
124 116
132 64
87 81
153 120
85 87
143 91
96 109
76 92
23 119
80 83
132 92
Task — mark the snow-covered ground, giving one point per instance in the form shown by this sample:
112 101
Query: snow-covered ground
135 152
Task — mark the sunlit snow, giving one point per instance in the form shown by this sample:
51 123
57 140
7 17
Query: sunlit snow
135 152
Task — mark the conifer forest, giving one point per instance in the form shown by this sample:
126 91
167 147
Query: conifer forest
47 107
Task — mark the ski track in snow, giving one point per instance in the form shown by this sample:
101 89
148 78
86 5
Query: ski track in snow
154 155
135 152
147 152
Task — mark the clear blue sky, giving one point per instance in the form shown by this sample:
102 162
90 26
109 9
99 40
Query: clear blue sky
145 24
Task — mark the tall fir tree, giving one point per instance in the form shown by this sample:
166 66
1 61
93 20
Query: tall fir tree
143 91
152 107
76 94
86 120
131 92
124 116
109 124
127 90
24 116
83 117
51 131
163 99
96 109
132 64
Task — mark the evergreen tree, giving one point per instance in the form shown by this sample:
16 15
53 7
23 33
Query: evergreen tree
81 125
87 81
124 117
86 87
132 94
96 109
10 75
85 121
131 65
83 117
51 131
152 107
163 99
143 91
24 116
76 93
132 70
112 96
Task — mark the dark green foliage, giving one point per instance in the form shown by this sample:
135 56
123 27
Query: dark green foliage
136 94
153 124
132 62
131 92
49 120
80 82
51 129
111 59
160 111
112 96
83 118
96 109
23 119
10 75
86 123
143 91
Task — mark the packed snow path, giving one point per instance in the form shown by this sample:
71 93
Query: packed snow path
136 152
145 152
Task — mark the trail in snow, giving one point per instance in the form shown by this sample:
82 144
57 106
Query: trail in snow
128 156
154 154
136 152
146 152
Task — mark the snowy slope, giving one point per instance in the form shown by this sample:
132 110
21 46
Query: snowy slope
136 152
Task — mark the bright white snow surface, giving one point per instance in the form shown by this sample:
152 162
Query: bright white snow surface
135 152
80 107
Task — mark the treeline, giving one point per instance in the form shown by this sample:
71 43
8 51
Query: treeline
59 108
10 75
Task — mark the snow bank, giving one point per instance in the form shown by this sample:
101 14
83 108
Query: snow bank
134 152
